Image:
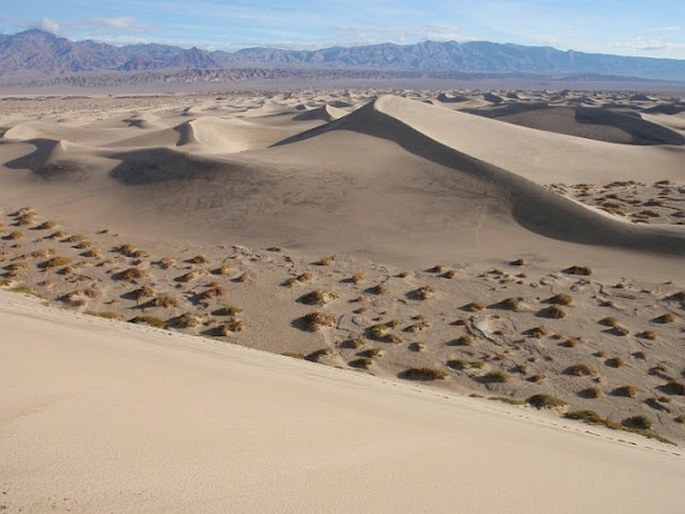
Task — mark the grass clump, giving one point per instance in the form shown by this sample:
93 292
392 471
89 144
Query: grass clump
305 277
578 270
537 332
580 370
665 318
26 290
315 321
186 320
460 364
639 422
473 307
227 311
609 321
512 304
615 362
627 391
198 259
590 393
545 401
465 340
103 314
56 262
507 400
164 301
423 293
46 225
325 261
14 235
423 374
153 321
129 274
187 277
417 327
496 377
553 312
361 363
561 299
680 419
317 297
673 387
378 289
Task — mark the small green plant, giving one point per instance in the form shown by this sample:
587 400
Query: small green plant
639 422
27 290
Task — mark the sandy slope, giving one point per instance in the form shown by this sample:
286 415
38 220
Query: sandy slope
97 416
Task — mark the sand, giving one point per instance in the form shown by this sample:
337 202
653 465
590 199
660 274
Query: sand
96 418
426 233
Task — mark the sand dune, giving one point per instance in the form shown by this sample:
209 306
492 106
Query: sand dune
137 420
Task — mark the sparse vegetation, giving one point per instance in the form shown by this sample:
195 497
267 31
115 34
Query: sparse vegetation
578 270
315 321
460 364
317 297
497 377
473 307
545 401
423 374
561 299
153 321
227 311
580 370
640 422
362 363
325 261
665 318
627 391
103 314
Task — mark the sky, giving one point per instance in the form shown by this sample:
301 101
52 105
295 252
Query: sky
653 28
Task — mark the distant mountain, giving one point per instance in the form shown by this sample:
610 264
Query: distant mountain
36 51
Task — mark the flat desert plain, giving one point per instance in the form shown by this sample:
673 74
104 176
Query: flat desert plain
343 300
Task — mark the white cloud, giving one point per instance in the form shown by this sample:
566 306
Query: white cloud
49 25
673 28
365 34
644 44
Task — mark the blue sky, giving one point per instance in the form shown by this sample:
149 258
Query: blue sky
655 28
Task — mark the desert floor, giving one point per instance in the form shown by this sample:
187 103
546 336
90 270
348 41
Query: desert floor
454 260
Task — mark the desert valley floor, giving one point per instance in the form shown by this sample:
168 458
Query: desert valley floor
510 256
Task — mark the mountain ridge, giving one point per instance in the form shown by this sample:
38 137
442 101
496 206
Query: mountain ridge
40 52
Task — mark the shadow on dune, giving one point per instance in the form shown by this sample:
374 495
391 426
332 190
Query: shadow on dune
157 165
40 162
643 131
532 206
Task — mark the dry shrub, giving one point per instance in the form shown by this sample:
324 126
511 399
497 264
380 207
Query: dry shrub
46 225
315 321
325 261
317 298
512 304
361 363
187 277
580 370
465 340
569 343
141 293
473 307
245 278
620 330
164 301
423 293
148 320
417 347
26 219
423 374
497 377
76 238
57 235
554 312
320 354
545 401
615 362
460 364
627 391
578 270
300 279
378 289
639 422
213 292
650 335
673 387
609 321
537 332
186 320
227 311
91 292
536 379
55 262
130 274
450 274
231 327
665 318
14 235
103 314
590 393
417 327
561 299
198 259
357 278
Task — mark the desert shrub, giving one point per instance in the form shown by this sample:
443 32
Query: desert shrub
212 292
92 253
293 355
185 320
545 401
460 364
164 301
235 325
14 235
537 332
55 262
381 333
580 370
43 253
354 343
473 307
554 312
129 274
26 290
680 419
569 343
665 318
465 340
498 377
91 292
319 354
315 321
46 225
609 321
620 330
537 378
449 274
640 422
590 393
325 261
423 293
187 277
57 235
103 314
357 278
362 363
165 263
615 362
627 390
517 262
244 277
588 416
507 400
561 299
317 297
423 374
417 347
227 311
26 219
578 270
378 289
650 335
512 304
142 292
198 259
372 353
673 387
417 327
148 320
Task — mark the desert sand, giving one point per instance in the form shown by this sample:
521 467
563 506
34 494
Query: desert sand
507 266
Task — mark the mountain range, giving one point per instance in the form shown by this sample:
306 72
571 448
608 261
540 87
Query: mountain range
38 52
